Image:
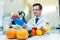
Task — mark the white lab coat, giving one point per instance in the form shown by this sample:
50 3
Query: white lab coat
41 22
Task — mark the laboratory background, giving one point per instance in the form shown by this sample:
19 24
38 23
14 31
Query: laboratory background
51 10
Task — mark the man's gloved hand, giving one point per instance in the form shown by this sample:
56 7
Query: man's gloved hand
18 21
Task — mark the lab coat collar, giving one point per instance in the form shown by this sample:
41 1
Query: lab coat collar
40 19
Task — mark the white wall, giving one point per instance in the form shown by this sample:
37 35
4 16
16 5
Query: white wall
15 5
51 13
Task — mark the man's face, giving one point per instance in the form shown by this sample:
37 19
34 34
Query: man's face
37 11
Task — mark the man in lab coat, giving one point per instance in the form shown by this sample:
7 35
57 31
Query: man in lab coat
38 21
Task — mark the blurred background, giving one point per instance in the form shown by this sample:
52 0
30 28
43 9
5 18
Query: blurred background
50 9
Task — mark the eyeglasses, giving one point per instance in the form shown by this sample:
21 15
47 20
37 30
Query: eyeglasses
36 9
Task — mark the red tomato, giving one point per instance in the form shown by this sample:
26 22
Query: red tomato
34 28
15 15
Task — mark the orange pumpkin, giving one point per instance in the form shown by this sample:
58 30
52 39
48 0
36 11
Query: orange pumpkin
11 33
22 34
15 15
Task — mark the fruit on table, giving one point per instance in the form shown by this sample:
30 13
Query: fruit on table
15 15
43 30
38 32
11 33
34 28
22 34
47 28
33 32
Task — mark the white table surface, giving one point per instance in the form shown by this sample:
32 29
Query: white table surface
51 36
44 37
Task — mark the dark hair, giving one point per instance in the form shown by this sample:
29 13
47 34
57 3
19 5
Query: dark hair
38 4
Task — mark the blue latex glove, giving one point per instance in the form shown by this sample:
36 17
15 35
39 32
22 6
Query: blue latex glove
24 20
18 21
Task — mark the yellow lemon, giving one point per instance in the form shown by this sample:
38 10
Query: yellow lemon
38 32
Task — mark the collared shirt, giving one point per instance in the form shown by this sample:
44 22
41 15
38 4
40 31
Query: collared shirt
42 22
